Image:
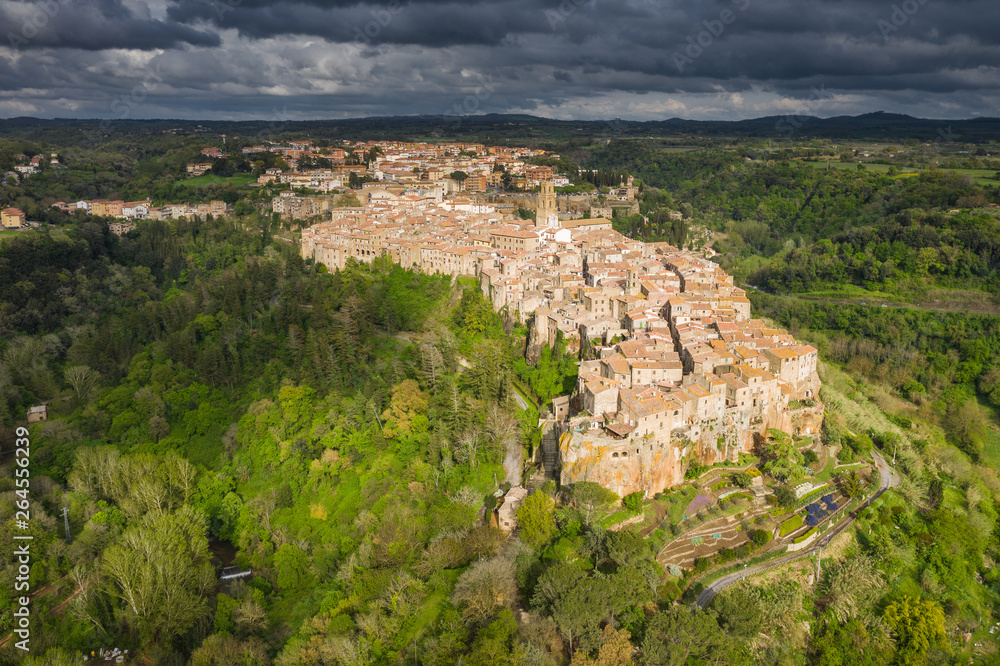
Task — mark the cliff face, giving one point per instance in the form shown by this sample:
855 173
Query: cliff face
645 464
538 336
623 466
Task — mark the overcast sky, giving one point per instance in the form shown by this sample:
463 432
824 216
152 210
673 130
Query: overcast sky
635 59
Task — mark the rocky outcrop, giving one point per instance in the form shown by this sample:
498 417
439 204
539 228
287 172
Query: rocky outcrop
642 463
538 337
623 466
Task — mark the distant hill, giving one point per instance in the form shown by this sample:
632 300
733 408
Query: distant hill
500 127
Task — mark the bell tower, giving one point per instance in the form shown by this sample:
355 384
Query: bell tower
546 214
632 284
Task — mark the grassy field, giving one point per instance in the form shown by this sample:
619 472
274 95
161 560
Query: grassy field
7 234
854 292
879 168
238 180
945 300
991 448
980 176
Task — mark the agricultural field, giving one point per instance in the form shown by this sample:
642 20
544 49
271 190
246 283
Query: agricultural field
239 180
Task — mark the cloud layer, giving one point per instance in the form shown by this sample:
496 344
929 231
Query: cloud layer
642 59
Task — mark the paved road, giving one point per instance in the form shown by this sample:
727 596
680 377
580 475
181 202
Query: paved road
889 478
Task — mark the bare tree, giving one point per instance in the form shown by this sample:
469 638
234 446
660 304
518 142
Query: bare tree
82 380
468 447
484 587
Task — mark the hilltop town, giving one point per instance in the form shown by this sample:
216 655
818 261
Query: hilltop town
677 372
674 372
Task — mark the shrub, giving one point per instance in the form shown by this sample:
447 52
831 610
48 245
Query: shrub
805 536
913 388
901 421
760 537
790 525
809 457
742 479
784 496
860 444
830 435
846 455
633 502
695 470
667 593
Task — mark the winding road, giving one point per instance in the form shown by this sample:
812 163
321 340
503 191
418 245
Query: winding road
889 479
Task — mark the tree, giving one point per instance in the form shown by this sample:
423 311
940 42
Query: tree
679 634
494 643
219 650
615 651
82 380
460 177
555 583
783 458
347 200
590 496
919 626
848 644
407 408
633 502
161 571
739 612
579 612
535 522
485 587
468 447
850 484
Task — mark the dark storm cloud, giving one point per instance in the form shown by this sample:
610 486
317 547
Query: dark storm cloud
427 23
93 25
772 40
577 58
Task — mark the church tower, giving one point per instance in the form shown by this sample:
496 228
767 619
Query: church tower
632 285
546 214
